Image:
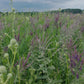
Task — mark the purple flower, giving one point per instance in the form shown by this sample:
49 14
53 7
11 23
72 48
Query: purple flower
60 24
82 29
16 63
77 75
6 49
47 23
76 60
72 72
17 37
56 18
80 68
82 61
45 26
31 33
23 63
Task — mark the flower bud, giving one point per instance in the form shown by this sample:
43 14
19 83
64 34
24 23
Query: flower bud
18 67
57 44
65 54
27 18
13 41
16 45
3 69
6 34
6 55
63 45
13 30
0 36
1 75
9 46
9 75
13 9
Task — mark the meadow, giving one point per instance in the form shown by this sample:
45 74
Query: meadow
42 48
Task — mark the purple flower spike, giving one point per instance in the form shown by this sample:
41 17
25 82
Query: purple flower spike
16 63
23 63
76 59
17 37
31 33
77 75
80 68
82 29
26 60
72 72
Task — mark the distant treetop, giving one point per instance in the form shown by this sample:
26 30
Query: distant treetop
74 11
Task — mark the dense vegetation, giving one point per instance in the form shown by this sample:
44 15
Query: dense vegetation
41 48
74 11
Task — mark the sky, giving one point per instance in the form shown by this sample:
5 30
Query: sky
41 5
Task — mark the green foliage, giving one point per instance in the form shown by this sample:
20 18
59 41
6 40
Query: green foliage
45 36
74 11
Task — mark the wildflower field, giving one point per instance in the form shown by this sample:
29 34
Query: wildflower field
42 48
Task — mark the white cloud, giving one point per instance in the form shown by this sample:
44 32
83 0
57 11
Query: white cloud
75 4
25 0
43 1
44 4
70 4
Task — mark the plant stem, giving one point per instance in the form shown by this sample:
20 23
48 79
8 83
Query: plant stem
13 62
67 80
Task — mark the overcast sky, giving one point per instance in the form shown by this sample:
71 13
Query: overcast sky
41 4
